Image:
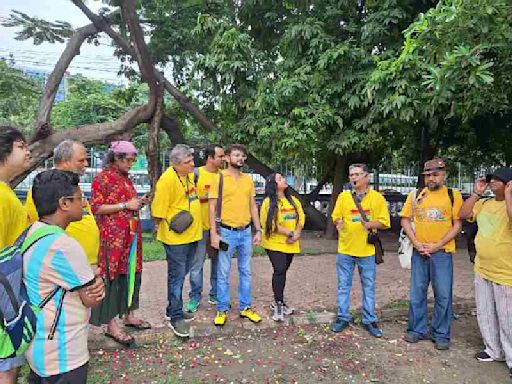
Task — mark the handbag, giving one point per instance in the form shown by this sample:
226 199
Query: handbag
405 246
181 221
373 237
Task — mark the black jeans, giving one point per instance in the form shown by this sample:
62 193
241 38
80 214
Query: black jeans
280 262
76 376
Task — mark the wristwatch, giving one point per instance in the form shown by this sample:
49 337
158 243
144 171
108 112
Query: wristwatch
122 206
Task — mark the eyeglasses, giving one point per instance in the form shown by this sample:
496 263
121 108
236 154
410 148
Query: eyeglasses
81 197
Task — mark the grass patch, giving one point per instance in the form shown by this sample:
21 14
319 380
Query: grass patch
153 250
397 304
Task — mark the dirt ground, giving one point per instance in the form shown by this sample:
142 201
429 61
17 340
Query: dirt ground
303 354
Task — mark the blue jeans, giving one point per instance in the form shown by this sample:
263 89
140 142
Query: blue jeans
437 269
196 268
241 241
179 260
367 271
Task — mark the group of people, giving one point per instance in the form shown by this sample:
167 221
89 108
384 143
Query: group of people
94 252
217 209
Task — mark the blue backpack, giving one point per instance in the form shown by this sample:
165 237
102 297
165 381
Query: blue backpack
18 316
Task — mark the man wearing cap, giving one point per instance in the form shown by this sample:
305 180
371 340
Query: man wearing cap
493 263
434 211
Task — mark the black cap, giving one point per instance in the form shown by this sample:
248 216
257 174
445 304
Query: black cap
504 174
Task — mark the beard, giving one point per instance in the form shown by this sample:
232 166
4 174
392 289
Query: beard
236 165
434 186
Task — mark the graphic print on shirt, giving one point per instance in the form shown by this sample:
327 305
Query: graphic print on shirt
488 224
288 214
207 189
432 214
355 217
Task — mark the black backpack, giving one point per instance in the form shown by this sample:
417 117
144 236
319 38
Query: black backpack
471 230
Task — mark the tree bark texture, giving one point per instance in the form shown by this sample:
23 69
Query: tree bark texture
153 148
340 176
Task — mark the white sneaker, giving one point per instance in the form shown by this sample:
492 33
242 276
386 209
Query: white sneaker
287 311
278 312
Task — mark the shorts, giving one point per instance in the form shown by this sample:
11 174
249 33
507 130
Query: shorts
11 362
76 376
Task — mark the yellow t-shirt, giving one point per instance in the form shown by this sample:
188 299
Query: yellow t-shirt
353 237
13 216
433 215
236 199
204 184
493 241
287 218
173 195
85 231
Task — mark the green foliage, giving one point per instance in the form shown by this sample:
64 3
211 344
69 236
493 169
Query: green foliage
38 29
19 96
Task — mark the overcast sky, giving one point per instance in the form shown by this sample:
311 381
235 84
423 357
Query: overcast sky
95 62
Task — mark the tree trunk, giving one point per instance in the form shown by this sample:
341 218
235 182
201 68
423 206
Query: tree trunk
152 151
340 176
171 127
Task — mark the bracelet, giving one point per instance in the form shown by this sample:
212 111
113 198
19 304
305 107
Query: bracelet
258 230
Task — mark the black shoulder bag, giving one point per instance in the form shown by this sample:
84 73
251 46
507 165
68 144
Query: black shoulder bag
373 237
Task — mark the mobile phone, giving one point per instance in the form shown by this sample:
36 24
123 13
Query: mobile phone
223 246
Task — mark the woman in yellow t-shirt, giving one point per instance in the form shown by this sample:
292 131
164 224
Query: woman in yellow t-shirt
282 220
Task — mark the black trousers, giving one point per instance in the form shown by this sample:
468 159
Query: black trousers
76 376
280 262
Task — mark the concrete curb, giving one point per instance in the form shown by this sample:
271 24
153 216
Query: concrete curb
159 334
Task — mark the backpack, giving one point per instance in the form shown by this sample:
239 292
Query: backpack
405 246
17 314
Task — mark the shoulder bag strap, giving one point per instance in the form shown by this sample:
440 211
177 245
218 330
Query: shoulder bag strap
219 203
359 207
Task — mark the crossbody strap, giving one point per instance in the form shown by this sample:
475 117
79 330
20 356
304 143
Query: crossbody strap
219 203
359 207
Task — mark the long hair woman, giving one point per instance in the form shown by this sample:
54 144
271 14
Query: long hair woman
282 220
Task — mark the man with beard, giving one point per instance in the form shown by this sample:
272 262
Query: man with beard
434 211
238 209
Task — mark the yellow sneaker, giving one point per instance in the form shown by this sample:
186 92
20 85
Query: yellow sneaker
248 313
220 318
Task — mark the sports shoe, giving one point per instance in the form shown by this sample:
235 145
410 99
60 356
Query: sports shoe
212 300
339 325
373 329
278 312
442 345
248 313
220 318
186 316
483 356
192 305
180 328
287 310
413 337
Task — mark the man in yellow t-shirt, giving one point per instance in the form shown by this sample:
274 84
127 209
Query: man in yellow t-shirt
14 159
205 177
353 247
238 209
176 194
493 263
71 156
434 212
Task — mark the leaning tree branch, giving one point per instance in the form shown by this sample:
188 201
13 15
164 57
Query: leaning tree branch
313 214
52 84
171 127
